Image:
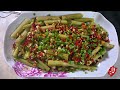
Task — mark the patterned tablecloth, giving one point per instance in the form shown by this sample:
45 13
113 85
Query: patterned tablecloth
7 73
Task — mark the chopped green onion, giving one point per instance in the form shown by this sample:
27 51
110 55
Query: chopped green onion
71 62
40 48
71 46
89 51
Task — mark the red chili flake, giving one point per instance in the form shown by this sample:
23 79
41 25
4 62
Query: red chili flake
77 60
94 25
43 61
87 55
91 36
33 26
96 43
84 26
26 42
98 36
86 61
107 40
92 60
39 25
70 36
76 29
68 48
95 34
32 49
71 52
92 48
31 59
78 32
62 28
94 28
63 40
65 61
78 42
30 35
71 27
112 71
41 54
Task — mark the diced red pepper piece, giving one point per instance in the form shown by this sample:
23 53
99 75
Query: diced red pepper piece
65 61
87 55
63 40
107 40
70 36
78 42
26 42
41 54
33 26
77 60
84 26
98 36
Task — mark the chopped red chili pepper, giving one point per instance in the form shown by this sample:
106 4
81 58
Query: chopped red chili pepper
30 35
91 36
71 53
26 42
32 49
38 25
107 40
98 36
76 29
84 26
43 60
41 54
63 40
71 27
31 59
87 55
92 60
78 42
65 61
77 59
95 34
70 36
62 28
33 26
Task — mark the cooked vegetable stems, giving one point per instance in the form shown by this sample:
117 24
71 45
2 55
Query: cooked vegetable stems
64 43
72 16
20 29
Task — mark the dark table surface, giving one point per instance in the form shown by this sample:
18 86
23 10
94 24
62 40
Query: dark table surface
114 18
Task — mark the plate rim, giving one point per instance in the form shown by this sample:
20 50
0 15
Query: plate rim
5 57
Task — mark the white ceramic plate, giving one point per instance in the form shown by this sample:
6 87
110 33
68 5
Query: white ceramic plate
103 67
